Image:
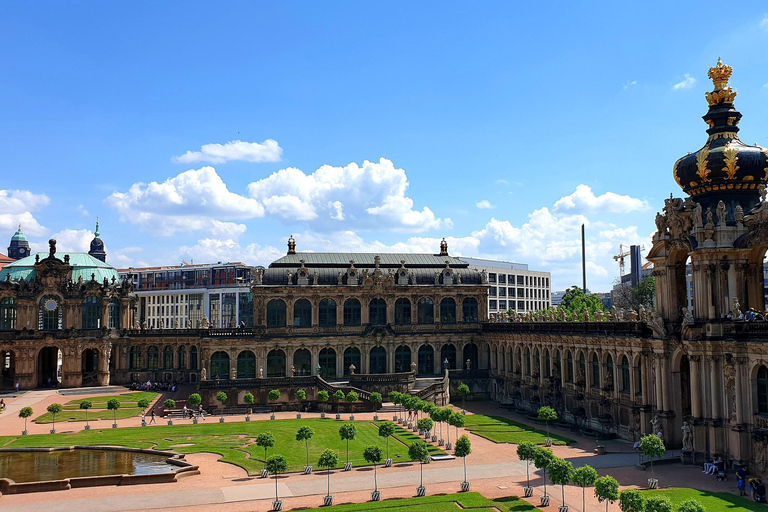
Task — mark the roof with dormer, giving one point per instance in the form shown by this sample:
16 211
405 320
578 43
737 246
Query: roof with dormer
366 260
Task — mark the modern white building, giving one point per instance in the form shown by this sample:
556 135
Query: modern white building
513 286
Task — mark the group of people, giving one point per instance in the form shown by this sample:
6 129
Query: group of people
749 316
153 386
189 413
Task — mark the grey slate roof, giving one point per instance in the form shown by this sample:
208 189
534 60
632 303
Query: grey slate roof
366 260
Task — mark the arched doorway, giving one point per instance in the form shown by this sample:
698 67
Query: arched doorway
377 360
327 362
246 365
448 352
470 353
220 365
352 357
7 369
402 359
302 362
90 367
427 360
49 362
276 363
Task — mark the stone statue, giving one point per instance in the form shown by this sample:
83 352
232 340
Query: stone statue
687 437
586 315
437 277
632 315
721 213
710 221
289 276
697 216
204 323
656 426
413 366
736 309
641 313
656 323
144 324
261 372
468 364
233 373
162 323
483 277
738 214
293 371
458 277
176 323
661 224
763 191
203 374
339 277
136 324
608 381
413 277
352 369
314 277
599 315
561 314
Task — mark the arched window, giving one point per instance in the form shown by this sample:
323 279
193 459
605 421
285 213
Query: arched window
448 353
220 365
378 360
402 311
527 361
426 357
762 390
547 364
134 358
168 358
246 365
402 359
352 358
609 372
595 371
471 355
536 361
276 313
582 372
469 310
558 364
569 366
114 314
276 363
181 363
153 358
8 314
193 358
327 313
447 311
377 313
302 313
50 313
91 313
625 374
426 311
639 378
351 313
327 362
302 362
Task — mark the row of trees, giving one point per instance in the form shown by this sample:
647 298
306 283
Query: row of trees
436 415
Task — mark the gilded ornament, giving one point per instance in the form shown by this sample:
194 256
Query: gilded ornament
674 173
730 157
701 162
764 151
722 135
733 121
720 74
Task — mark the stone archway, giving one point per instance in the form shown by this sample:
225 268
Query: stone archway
90 367
49 362
7 369
426 360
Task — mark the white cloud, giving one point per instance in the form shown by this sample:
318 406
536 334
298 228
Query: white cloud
186 202
267 151
627 85
214 249
349 241
81 209
485 205
764 23
687 83
583 200
16 207
367 196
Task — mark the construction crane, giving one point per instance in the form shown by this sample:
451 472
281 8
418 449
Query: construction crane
620 258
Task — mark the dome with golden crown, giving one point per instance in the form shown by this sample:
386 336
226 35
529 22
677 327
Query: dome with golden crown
725 168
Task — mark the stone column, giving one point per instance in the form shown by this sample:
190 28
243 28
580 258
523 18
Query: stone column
695 386
739 389
666 399
340 362
658 384
715 389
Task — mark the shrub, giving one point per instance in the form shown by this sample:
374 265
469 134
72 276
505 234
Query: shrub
607 489
322 396
691 506
658 504
194 399
631 500
169 404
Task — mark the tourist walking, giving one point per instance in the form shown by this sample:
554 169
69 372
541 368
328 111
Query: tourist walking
201 412
153 420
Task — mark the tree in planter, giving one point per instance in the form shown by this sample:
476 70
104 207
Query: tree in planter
322 396
457 420
560 472
54 409
584 477
265 440
541 459
277 464
463 448
194 400
658 504
143 404
653 447
301 395
167 406
248 399
525 452
691 506
437 414
351 398
328 459
84 405
222 398
372 454
607 490
394 397
418 451
425 424
631 500
25 413
305 434
347 433
463 391
376 400
547 414
274 396
113 405
386 429
338 396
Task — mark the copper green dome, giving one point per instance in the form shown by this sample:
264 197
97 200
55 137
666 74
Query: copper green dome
18 236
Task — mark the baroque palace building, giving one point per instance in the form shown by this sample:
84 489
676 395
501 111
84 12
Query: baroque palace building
698 378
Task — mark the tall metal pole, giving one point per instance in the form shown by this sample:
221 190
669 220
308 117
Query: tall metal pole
583 261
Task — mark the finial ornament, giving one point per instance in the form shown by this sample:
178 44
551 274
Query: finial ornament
720 74
96 234
291 245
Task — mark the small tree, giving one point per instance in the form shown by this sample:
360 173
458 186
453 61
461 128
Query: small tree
347 433
541 459
386 429
222 398
84 405
143 404
322 396
607 490
351 398
169 404
265 440
277 464
691 506
631 500
194 400
305 434
376 400
274 396
248 399
328 459
463 391
418 451
113 405
560 472
54 409
372 454
338 396
301 395
547 414
653 447
25 413
584 477
457 419
463 448
525 452
425 424
658 504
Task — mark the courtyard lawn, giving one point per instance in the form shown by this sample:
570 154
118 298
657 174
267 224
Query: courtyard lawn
711 501
72 412
235 442
503 430
442 503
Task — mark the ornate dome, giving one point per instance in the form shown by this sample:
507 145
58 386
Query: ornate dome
97 246
725 168
18 236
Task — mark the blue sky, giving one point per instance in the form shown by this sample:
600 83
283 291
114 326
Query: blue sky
368 127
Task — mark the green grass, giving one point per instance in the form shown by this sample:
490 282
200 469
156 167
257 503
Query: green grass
235 442
504 430
72 412
711 501
441 503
